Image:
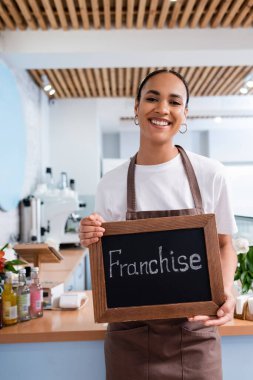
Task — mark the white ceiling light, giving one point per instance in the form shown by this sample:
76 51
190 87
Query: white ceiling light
243 90
218 119
249 83
47 87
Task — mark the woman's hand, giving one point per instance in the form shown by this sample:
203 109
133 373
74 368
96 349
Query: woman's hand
224 314
90 229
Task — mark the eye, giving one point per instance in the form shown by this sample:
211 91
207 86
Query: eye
175 103
151 99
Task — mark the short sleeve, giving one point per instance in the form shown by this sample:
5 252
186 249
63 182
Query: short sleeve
101 202
223 209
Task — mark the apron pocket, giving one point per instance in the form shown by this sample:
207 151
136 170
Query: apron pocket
201 352
126 354
198 328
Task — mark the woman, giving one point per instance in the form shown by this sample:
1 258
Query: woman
161 177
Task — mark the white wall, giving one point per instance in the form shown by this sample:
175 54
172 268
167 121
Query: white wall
75 142
232 145
196 141
31 99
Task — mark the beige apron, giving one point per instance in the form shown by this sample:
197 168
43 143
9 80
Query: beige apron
171 349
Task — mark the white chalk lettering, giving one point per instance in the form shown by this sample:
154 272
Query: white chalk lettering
195 258
121 269
145 263
150 269
162 260
116 262
134 271
174 263
186 266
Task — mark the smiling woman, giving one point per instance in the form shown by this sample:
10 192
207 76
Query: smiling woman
160 180
12 137
161 107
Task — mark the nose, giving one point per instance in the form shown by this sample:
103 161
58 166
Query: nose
162 107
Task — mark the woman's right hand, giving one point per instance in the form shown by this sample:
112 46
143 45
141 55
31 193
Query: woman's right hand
90 229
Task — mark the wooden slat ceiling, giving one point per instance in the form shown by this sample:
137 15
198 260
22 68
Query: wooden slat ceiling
116 14
123 82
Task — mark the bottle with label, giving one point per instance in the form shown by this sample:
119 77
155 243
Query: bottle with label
9 300
23 298
36 308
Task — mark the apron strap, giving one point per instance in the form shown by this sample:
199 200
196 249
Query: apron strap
192 179
191 176
131 198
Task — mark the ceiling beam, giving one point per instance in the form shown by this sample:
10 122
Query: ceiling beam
128 48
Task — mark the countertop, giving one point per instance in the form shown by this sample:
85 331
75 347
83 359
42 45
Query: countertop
79 325
61 272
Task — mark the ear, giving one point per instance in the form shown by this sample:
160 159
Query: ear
136 107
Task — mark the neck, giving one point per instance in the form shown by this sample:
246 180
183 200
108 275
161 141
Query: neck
152 155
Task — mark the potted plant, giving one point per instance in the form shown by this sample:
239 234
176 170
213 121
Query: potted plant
244 271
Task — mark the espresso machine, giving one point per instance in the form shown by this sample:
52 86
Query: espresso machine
50 216
59 213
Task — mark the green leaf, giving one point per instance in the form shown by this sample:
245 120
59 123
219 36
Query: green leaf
5 246
250 265
245 288
17 262
243 265
250 259
243 275
237 276
240 258
9 267
250 254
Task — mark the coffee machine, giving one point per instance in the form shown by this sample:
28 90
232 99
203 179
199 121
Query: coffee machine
50 216
61 218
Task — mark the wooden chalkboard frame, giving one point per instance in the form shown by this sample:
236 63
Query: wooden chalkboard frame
206 221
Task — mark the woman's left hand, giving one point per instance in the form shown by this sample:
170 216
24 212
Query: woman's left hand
224 314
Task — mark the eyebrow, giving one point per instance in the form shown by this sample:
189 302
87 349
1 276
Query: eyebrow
158 93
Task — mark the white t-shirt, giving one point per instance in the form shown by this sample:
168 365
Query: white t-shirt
166 187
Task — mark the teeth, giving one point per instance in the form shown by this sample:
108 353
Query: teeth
162 123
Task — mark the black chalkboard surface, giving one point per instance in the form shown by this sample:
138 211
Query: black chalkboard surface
157 268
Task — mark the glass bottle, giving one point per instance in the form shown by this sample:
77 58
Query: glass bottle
63 181
9 300
72 184
49 178
23 297
36 308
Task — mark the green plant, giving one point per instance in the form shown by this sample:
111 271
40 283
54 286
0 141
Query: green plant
8 265
244 271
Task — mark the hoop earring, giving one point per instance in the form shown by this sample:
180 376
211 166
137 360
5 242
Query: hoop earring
185 130
136 121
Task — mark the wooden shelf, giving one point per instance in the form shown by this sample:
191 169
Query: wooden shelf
38 253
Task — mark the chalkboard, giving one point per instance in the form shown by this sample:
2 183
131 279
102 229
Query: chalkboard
157 268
